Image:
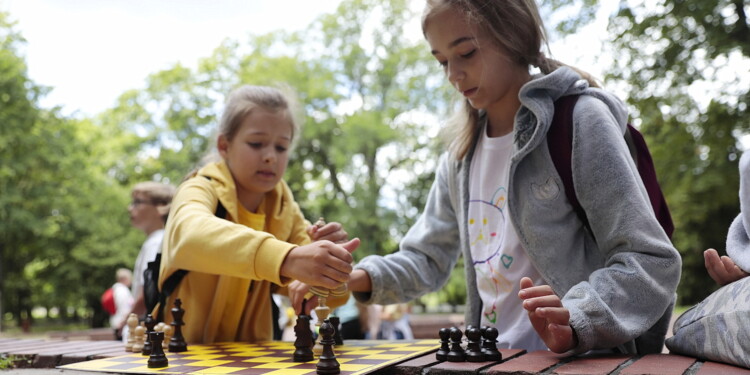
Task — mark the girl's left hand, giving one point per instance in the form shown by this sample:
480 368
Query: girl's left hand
548 316
333 232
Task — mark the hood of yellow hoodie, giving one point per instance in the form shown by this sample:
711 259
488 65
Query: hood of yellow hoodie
221 178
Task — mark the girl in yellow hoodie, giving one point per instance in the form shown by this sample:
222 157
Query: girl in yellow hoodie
263 243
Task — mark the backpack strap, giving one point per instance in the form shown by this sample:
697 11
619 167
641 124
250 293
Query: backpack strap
171 283
560 145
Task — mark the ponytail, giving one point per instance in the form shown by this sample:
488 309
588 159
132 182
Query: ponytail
548 65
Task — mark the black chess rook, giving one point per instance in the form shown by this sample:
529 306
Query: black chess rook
157 358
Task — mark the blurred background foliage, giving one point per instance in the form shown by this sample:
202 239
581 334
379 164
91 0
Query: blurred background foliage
371 100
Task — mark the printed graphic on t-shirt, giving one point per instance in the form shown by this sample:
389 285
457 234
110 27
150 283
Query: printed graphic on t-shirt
487 234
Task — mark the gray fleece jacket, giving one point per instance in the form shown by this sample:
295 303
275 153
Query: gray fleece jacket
618 280
738 241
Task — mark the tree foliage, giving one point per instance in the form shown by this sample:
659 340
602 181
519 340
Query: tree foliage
59 214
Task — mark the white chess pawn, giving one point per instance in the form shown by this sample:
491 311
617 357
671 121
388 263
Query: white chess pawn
140 338
167 335
132 322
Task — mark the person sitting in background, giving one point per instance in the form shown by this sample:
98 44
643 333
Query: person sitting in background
148 212
718 327
353 318
123 301
394 322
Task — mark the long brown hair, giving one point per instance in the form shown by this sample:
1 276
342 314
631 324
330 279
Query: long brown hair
516 27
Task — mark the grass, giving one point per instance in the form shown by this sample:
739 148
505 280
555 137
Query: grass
678 310
40 328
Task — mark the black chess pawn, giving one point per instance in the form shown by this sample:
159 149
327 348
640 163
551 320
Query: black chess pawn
474 345
177 343
303 343
442 353
157 358
457 353
150 323
489 345
336 323
327 363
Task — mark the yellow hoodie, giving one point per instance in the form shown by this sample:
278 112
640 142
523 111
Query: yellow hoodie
232 262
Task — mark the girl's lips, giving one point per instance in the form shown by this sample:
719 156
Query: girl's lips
266 174
469 92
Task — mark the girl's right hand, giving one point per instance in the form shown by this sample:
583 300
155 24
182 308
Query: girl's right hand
322 263
298 292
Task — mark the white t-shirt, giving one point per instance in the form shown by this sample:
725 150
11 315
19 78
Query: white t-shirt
149 249
123 304
499 259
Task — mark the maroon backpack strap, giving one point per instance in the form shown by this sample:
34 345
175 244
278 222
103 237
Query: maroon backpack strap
560 145
646 170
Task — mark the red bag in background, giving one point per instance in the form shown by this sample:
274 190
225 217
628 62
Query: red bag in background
108 301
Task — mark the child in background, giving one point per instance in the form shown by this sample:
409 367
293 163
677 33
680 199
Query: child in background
148 212
123 301
498 200
264 242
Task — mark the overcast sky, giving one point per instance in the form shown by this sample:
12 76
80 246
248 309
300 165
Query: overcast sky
91 51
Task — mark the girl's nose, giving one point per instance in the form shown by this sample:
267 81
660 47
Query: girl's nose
269 156
455 74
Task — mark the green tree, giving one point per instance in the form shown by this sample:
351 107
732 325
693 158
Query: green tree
59 215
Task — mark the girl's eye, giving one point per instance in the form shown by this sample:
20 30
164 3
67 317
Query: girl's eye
443 63
469 54
255 145
280 148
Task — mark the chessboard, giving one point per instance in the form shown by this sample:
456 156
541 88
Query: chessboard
271 357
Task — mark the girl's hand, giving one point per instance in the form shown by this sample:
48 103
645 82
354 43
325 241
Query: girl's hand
333 232
548 316
298 291
320 263
722 269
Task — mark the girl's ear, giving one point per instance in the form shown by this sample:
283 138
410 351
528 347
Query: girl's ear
222 144
162 209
